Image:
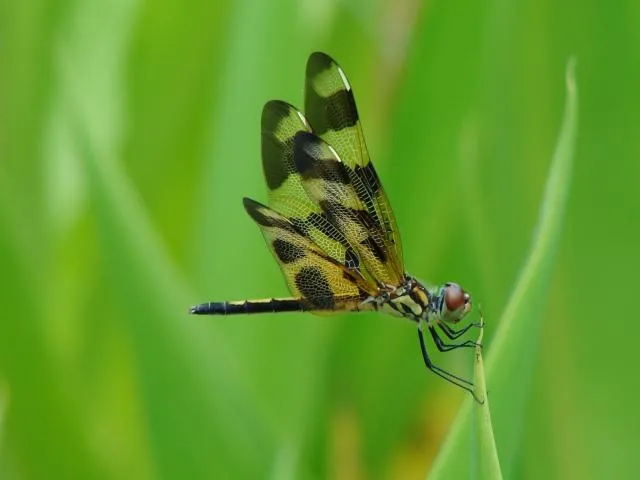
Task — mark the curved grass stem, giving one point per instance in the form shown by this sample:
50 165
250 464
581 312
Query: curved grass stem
514 346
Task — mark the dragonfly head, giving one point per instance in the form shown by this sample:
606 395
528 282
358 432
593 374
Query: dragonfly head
456 303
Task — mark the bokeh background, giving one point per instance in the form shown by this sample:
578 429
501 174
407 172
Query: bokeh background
129 131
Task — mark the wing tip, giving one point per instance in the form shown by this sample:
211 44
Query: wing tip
319 61
277 106
274 113
250 203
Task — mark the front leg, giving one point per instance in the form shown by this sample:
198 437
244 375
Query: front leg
453 334
445 347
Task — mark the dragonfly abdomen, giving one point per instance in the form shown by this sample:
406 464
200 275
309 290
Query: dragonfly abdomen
276 305
265 305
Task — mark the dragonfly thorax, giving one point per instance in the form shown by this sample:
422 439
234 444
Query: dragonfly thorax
447 303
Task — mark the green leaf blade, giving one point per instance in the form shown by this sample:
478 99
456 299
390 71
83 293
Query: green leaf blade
512 353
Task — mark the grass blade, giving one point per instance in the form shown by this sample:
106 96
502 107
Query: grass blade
489 463
512 353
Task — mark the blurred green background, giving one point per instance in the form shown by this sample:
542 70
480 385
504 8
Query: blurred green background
129 131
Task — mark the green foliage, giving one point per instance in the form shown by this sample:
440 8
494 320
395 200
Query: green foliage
513 350
129 134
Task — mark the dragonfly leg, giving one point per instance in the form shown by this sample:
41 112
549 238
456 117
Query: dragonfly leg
452 333
449 377
445 347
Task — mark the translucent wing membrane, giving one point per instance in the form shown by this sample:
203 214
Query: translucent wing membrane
332 185
322 282
280 124
330 108
328 223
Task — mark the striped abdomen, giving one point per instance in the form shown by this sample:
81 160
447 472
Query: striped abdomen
275 305
266 305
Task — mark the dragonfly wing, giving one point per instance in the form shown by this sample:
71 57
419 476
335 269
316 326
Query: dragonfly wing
287 196
332 185
321 281
330 108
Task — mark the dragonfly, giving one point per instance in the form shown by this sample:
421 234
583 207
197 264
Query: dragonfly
330 226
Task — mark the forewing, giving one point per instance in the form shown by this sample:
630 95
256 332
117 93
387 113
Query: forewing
321 281
280 124
330 108
332 186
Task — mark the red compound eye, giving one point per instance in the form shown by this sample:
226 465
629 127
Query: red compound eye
454 297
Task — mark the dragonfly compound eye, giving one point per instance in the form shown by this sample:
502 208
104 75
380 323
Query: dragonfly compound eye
455 297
